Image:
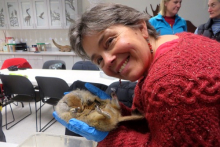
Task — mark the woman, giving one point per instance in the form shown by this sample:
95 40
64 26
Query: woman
178 79
211 29
168 22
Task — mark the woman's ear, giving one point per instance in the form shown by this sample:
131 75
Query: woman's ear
143 29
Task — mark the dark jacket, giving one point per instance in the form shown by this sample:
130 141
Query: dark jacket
206 30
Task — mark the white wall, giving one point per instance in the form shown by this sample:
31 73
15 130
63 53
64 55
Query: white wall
193 10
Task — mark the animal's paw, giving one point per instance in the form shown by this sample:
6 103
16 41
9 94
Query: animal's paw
76 110
100 111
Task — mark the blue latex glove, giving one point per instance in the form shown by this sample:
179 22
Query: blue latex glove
82 128
96 91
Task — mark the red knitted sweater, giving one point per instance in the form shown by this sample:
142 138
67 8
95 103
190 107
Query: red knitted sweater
180 98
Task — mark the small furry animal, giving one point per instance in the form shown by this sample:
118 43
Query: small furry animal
104 115
61 48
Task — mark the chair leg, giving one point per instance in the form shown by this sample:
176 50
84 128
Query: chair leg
22 104
6 123
50 123
36 115
40 106
7 128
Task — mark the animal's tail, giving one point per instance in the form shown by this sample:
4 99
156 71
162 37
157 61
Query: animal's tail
131 117
135 115
57 45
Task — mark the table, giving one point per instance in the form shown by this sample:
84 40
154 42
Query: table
5 144
68 75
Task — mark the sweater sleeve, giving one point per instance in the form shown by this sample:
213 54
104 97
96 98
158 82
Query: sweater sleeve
130 133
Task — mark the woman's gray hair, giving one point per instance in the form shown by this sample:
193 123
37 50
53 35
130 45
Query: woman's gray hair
100 18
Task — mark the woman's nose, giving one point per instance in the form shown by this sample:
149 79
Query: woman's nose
109 60
179 5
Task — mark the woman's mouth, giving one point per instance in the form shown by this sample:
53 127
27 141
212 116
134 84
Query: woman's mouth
123 65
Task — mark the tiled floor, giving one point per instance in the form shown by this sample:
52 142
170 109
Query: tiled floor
27 127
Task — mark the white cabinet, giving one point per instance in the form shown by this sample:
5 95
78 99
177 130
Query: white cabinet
69 12
33 14
61 13
13 14
4 57
41 14
37 14
55 13
27 17
3 17
35 61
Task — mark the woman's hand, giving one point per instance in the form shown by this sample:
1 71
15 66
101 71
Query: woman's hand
82 128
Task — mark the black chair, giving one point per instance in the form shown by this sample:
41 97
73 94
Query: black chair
19 89
51 91
54 64
84 65
124 91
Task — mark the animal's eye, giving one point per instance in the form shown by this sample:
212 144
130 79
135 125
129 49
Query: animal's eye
89 102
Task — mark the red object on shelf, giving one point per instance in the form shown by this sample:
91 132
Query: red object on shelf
8 38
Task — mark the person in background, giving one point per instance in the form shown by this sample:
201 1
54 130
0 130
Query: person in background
168 22
211 29
178 79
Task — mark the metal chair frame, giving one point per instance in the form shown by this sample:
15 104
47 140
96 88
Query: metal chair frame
53 89
15 91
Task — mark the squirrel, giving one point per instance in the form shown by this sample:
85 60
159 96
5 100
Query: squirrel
104 115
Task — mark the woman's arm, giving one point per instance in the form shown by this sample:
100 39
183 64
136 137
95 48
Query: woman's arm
128 134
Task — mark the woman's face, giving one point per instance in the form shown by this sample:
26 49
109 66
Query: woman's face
120 51
214 8
172 7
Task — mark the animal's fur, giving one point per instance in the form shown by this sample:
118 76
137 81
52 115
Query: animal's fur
61 48
104 115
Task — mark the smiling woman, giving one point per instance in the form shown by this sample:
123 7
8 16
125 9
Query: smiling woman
178 79
115 43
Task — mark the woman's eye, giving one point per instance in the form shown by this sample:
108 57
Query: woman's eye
108 42
99 60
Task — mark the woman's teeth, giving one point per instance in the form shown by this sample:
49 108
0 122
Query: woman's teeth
123 66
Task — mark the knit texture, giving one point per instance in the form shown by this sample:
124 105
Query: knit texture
180 98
